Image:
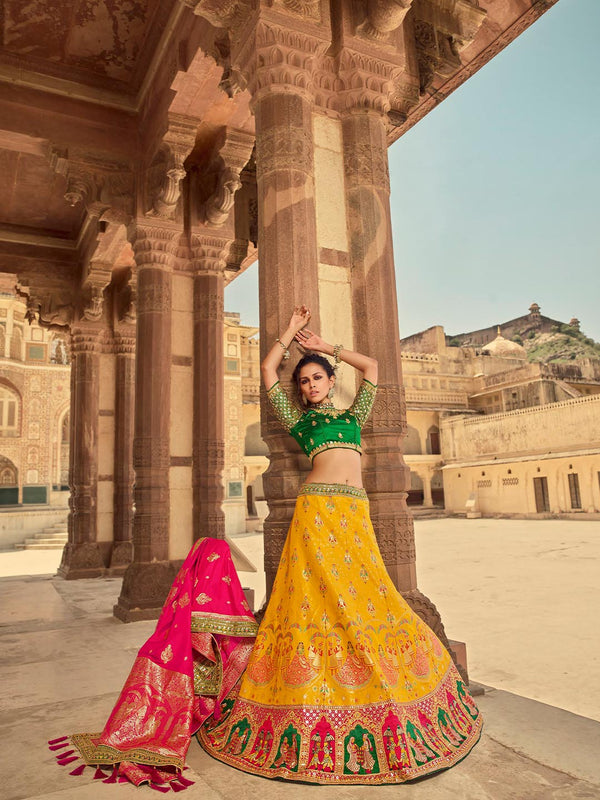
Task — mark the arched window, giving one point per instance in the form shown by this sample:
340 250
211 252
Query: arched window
9 489
433 440
9 412
16 344
8 475
412 443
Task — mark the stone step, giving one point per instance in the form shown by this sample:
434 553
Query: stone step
57 540
38 546
46 534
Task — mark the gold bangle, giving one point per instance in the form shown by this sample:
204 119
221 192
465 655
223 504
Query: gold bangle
336 354
286 352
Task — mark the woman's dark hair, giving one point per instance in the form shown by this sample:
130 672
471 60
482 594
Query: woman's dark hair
311 358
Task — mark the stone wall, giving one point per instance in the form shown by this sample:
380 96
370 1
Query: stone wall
573 425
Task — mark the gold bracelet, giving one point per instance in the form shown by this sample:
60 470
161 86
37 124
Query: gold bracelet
336 354
286 352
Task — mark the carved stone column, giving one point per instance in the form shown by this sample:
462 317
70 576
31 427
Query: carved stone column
82 556
122 552
385 474
387 478
209 424
280 75
149 576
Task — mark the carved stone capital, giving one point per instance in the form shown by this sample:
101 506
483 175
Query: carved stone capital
280 57
367 80
124 342
86 341
155 246
209 254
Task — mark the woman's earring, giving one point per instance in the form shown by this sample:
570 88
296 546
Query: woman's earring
304 400
331 392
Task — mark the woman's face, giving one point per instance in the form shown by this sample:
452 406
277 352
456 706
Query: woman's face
314 383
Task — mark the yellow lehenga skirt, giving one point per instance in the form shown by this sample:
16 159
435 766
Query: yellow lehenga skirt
345 684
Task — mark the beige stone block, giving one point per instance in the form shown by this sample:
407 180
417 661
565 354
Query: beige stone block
105 511
327 133
181 411
182 317
182 334
180 478
181 524
106 445
183 293
335 307
106 383
329 184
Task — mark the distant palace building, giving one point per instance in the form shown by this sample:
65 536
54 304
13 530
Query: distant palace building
34 417
500 434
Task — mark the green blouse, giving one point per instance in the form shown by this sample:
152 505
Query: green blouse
318 429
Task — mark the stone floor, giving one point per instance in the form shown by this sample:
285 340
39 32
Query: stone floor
522 594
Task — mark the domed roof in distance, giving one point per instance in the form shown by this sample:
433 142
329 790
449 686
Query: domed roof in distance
504 348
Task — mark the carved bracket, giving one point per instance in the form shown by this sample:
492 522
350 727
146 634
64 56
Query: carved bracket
51 306
441 32
92 178
234 151
383 17
167 170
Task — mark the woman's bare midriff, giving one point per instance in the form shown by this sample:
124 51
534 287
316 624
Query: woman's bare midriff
338 465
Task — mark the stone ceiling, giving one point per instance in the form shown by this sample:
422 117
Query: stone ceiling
82 81
99 43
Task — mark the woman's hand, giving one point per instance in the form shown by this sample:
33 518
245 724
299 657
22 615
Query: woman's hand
310 341
299 319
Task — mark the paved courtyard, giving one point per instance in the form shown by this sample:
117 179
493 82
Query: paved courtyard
524 595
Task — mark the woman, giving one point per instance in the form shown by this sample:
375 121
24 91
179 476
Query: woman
345 684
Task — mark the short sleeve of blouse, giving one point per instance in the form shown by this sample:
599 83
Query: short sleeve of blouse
285 410
363 402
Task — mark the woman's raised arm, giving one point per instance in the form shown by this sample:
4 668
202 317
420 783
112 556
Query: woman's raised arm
279 351
366 364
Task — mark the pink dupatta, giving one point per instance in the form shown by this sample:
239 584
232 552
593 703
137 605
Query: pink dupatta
194 658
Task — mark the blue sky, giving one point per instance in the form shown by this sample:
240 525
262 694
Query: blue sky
495 193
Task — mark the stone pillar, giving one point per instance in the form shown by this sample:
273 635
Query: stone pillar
288 275
386 476
122 552
149 576
279 68
427 498
82 556
209 424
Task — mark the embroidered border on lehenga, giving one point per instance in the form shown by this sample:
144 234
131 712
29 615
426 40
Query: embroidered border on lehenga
329 489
